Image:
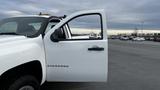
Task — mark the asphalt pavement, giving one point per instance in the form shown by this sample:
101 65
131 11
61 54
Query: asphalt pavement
132 66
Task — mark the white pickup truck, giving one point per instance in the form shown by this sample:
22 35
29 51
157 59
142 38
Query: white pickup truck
39 48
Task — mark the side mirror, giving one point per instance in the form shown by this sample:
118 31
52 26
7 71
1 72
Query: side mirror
54 38
57 35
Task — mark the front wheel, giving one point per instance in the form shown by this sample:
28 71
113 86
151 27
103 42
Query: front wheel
27 82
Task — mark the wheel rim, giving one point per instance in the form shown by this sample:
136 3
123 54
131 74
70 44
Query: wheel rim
26 88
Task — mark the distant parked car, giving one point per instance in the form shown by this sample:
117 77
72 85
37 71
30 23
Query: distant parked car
131 37
157 39
149 38
124 38
114 37
138 39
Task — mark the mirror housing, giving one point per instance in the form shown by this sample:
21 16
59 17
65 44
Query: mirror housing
54 38
57 35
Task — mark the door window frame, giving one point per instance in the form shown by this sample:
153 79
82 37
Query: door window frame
101 22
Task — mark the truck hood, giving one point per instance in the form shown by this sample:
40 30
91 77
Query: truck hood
10 38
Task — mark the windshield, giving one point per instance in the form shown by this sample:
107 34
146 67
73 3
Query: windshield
26 26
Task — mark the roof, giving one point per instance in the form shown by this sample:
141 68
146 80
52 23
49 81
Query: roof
45 16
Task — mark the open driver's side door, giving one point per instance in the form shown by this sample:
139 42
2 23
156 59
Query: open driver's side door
78 53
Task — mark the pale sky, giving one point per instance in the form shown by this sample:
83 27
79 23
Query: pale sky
121 14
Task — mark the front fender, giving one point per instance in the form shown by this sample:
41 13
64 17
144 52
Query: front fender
20 52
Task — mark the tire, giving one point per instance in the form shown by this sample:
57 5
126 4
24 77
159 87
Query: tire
27 82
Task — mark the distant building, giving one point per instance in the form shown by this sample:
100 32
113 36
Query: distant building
130 31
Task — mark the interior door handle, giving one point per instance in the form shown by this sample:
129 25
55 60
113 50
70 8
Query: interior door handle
96 49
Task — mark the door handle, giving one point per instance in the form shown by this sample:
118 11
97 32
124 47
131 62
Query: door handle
96 49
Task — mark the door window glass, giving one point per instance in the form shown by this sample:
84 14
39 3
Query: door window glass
86 27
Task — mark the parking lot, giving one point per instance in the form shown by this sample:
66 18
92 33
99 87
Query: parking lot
132 66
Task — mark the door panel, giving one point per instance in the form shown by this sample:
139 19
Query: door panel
81 58
73 61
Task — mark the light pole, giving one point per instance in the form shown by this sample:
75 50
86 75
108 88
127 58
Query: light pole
136 31
142 26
